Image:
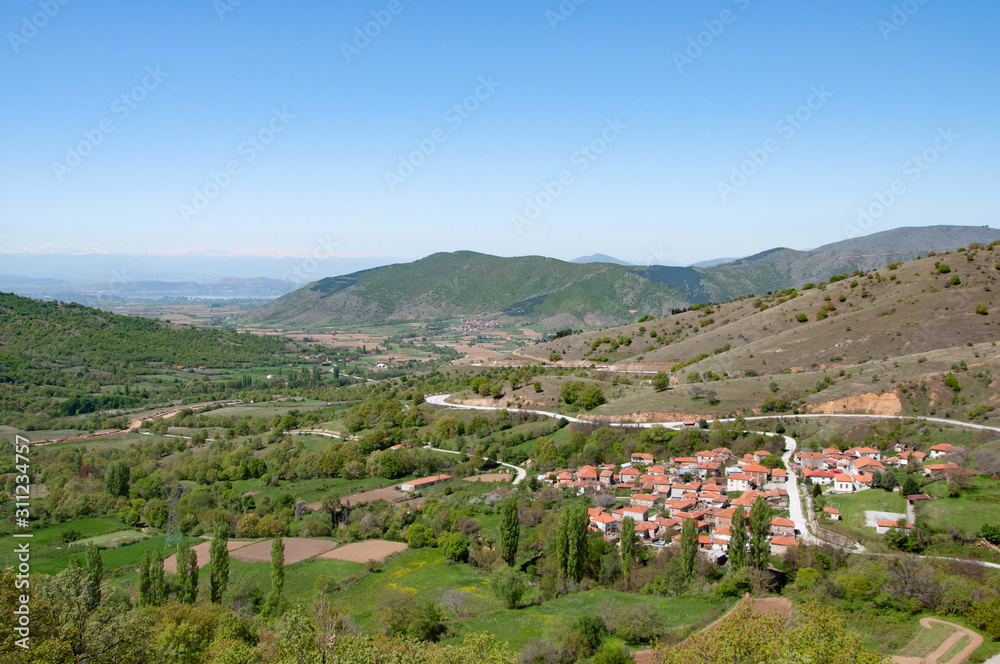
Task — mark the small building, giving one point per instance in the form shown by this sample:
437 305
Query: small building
642 458
780 545
832 513
416 485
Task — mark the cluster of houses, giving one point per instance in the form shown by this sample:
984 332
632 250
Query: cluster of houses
853 470
663 496
475 324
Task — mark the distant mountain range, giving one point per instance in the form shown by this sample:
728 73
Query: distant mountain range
252 288
600 258
556 294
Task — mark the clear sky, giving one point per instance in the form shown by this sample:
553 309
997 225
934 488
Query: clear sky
581 127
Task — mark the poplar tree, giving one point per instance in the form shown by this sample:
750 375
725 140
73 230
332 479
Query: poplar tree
629 543
510 531
760 531
219 565
738 540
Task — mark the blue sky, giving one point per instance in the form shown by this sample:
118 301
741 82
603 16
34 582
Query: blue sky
314 131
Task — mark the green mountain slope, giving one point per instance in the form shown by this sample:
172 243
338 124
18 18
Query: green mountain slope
556 293
56 351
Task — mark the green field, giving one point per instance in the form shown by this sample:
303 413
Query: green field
524 625
976 506
853 506
300 578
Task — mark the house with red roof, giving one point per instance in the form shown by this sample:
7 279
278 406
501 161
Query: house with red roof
738 482
642 458
782 527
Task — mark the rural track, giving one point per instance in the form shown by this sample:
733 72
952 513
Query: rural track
521 472
796 512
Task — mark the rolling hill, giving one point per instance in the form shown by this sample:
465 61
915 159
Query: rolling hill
881 341
555 294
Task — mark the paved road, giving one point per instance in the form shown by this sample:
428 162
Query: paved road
521 472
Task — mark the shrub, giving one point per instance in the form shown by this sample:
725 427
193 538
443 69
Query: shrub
661 381
508 585
944 269
802 318
982 310
956 280
590 397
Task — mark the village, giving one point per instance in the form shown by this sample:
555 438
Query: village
710 486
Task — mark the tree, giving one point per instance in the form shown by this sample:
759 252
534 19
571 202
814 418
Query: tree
818 634
219 564
590 397
629 543
888 481
95 570
144 579
187 574
689 547
571 541
661 381
455 600
738 540
510 531
157 587
454 547
612 655
508 585
911 485
116 479
760 529
277 576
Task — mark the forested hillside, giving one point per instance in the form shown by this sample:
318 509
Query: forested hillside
54 352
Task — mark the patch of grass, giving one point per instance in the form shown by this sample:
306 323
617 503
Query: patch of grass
115 540
425 572
955 649
927 641
521 626
853 506
976 506
300 578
